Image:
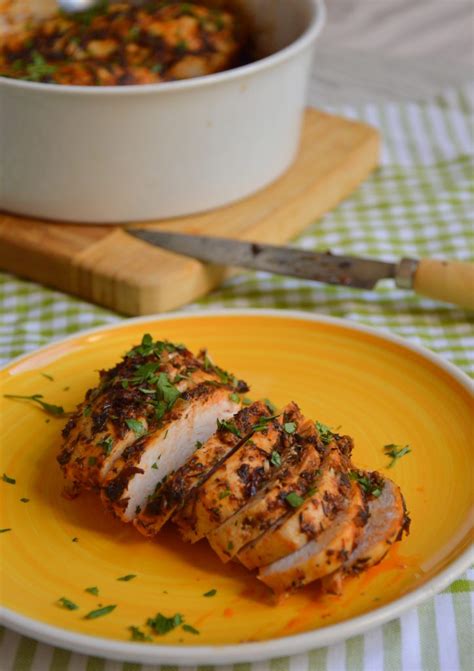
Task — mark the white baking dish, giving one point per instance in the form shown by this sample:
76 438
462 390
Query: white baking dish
130 153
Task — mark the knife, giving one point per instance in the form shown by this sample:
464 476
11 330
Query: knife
450 281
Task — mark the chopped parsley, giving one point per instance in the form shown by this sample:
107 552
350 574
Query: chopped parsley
234 397
126 578
106 444
92 461
311 491
271 406
161 624
92 590
48 377
137 634
10 481
290 427
395 452
230 547
198 445
75 539
325 432
294 500
4 531
99 612
39 68
87 410
155 465
24 500
247 401
369 485
228 426
137 427
225 493
275 458
212 592
190 629
262 423
67 604
56 410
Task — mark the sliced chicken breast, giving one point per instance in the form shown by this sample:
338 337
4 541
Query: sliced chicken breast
198 468
237 480
329 492
388 520
143 466
294 473
323 555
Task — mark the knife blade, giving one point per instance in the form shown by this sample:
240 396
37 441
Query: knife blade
349 271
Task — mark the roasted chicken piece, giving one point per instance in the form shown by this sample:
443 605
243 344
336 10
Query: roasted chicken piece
327 496
324 555
294 472
388 520
135 403
238 479
193 473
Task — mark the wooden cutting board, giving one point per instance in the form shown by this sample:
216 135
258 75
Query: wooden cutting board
105 265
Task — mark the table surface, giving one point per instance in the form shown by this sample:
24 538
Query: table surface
403 67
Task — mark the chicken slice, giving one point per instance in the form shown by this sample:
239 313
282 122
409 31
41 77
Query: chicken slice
172 495
145 464
388 519
237 480
323 555
294 473
132 398
329 492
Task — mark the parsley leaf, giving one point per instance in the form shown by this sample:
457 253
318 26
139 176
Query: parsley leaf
372 486
395 452
138 635
247 401
106 444
294 500
271 406
24 500
262 423
3 531
126 578
51 409
137 427
228 426
212 592
234 397
161 624
39 68
6 478
99 612
48 377
92 590
325 432
275 458
290 427
67 604
225 493
190 629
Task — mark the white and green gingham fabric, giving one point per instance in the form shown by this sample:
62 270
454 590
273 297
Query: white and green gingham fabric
419 203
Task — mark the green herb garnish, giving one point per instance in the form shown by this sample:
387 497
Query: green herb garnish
275 458
290 427
228 426
271 406
75 539
198 445
10 481
106 444
23 500
212 592
48 377
190 629
91 461
92 590
51 409
247 401
225 493
294 500
325 432
234 397
137 427
86 411
67 604
138 635
39 68
161 624
262 423
230 547
126 578
368 485
99 612
395 452
3 531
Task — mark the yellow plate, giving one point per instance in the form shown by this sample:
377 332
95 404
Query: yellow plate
377 388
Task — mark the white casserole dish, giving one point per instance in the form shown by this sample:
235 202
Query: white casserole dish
131 153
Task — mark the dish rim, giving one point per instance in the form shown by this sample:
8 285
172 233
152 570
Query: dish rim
310 33
274 647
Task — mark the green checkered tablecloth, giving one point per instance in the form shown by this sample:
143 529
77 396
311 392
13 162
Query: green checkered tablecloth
419 203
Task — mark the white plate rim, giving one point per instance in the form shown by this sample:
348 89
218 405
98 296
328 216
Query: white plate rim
143 653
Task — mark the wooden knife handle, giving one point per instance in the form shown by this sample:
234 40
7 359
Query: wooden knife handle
450 281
